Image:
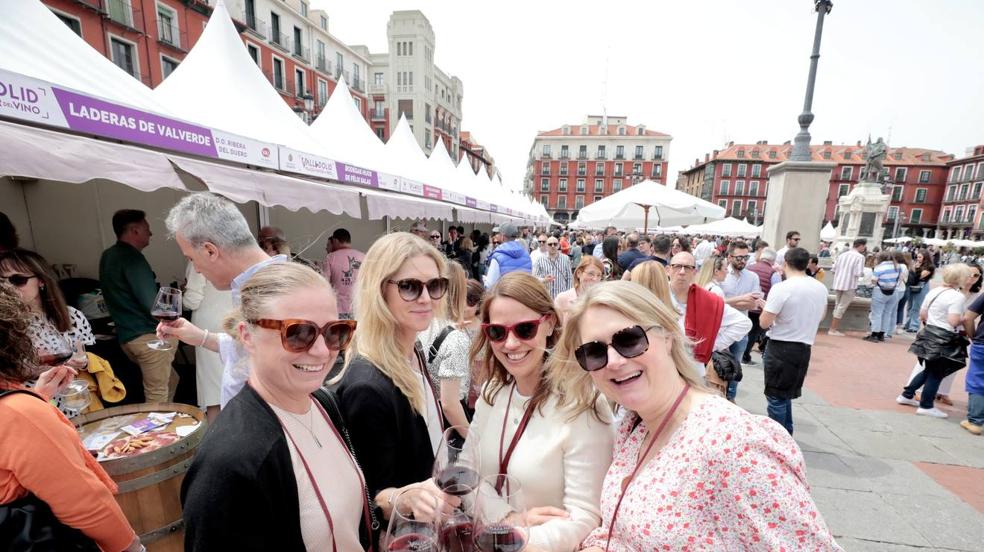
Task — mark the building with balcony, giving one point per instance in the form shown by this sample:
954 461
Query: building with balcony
961 211
736 178
575 165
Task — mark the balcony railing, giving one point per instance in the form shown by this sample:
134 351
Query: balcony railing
172 36
256 25
546 155
377 88
301 52
600 156
564 155
322 64
123 12
279 39
378 115
582 155
619 156
657 157
358 84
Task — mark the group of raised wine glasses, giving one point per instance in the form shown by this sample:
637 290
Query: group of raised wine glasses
476 514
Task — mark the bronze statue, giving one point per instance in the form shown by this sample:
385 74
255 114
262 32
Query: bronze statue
875 155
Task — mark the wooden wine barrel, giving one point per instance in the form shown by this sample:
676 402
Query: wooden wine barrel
150 483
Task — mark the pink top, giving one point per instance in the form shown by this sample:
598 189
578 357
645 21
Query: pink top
341 269
726 480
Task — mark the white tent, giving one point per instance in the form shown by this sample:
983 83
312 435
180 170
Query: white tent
63 57
828 233
725 227
220 86
344 133
403 155
649 203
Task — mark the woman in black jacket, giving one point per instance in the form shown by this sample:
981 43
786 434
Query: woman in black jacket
275 471
385 391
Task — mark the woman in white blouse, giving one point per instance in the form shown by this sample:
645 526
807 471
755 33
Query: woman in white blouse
561 443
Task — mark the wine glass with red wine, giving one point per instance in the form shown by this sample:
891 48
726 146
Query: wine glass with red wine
500 515
55 351
167 308
405 533
456 472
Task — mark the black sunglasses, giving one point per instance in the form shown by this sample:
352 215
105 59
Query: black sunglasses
473 300
18 280
298 336
411 288
525 330
629 342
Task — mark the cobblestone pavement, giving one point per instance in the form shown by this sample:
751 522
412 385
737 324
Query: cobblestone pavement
884 478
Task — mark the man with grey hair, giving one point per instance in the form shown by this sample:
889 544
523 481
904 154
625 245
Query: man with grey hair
214 236
768 276
510 256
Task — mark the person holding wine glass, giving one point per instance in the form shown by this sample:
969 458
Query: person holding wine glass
274 472
55 327
679 444
129 287
43 464
384 389
549 431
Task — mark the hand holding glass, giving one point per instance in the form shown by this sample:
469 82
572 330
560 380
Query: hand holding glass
167 308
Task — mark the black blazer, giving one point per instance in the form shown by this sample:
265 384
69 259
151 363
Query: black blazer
390 439
240 492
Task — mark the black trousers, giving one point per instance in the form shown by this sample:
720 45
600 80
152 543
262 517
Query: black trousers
756 335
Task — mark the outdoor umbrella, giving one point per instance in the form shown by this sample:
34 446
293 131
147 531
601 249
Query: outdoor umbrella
648 201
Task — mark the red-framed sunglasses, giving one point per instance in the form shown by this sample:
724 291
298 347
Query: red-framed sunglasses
298 336
525 330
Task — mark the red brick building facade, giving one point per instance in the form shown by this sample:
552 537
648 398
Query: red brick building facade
576 165
961 212
736 178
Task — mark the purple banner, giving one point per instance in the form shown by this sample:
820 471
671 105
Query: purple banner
432 193
494 208
93 116
471 202
357 175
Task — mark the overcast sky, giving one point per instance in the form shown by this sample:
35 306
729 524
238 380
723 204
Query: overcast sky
704 71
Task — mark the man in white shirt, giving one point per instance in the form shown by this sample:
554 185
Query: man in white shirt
792 316
743 292
848 267
792 240
609 232
214 236
539 246
704 250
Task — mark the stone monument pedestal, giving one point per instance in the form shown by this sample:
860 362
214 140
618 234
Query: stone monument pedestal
797 200
861 214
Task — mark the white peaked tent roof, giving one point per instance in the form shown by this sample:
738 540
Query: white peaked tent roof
468 180
63 58
828 232
403 156
343 131
220 86
667 207
725 227
442 169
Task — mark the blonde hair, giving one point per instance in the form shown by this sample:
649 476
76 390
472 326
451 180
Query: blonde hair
375 341
956 274
456 294
266 286
707 270
651 276
634 302
587 261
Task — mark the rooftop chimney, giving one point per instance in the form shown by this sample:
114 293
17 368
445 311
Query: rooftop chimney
828 142
786 143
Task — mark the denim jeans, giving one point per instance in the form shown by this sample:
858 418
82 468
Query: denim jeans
883 307
900 309
737 349
975 409
781 410
929 382
915 303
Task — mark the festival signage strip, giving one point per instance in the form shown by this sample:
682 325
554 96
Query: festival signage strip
39 102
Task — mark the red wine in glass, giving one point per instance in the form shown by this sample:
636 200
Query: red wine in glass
412 542
166 307
457 535
54 359
165 316
457 480
500 537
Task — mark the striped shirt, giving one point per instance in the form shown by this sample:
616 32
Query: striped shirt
887 274
559 267
847 268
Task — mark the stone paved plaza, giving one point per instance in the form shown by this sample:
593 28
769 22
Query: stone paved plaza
884 478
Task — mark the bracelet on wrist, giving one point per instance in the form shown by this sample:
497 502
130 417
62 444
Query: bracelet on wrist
204 339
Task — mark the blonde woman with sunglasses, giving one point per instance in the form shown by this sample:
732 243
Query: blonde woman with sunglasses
275 472
557 445
738 480
385 391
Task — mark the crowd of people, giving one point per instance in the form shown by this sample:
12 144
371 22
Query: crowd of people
598 371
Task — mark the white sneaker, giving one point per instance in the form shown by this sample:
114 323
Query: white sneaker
835 333
908 402
934 412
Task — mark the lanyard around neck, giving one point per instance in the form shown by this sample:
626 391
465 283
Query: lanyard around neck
504 460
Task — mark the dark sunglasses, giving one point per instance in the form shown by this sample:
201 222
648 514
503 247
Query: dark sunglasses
473 300
411 288
629 342
551 244
740 257
18 280
298 336
524 331
435 236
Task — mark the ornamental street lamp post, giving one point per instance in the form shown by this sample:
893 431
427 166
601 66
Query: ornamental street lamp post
801 144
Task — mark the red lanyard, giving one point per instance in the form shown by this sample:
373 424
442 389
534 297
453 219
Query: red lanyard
314 483
628 480
504 460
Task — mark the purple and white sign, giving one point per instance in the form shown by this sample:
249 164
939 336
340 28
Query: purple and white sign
432 192
471 202
305 163
350 174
